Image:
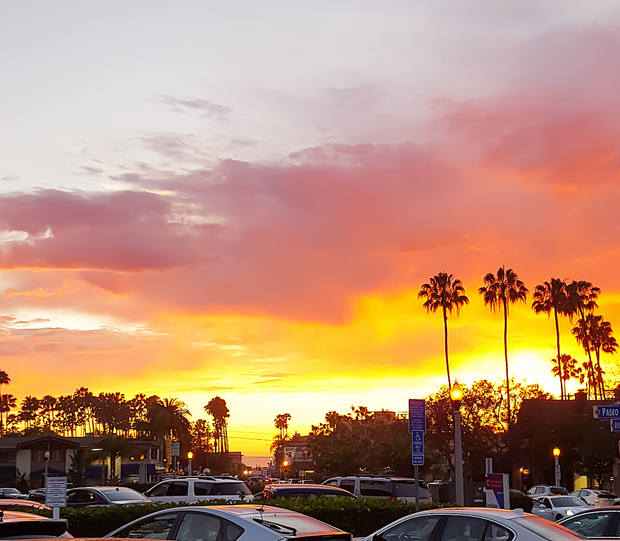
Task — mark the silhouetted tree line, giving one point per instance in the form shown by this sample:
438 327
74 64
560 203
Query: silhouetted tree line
379 442
145 417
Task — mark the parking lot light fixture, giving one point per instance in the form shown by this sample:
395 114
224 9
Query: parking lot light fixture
47 460
556 460
456 394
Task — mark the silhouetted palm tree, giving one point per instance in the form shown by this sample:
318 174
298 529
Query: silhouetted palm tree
281 423
500 292
219 411
170 416
4 380
7 403
48 409
596 334
582 296
445 292
29 409
569 369
553 297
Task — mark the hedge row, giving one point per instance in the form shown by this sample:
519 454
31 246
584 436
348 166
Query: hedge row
360 517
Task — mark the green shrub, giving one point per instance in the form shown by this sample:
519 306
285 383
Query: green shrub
360 517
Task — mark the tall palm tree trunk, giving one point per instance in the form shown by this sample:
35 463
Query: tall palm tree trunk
591 365
506 357
445 334
557 334
599 374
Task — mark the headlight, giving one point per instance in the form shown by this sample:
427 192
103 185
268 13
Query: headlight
569 512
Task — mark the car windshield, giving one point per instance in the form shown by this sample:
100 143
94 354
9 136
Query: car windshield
121 494
567 501
295 524
558 490
546 529
230 489
407 488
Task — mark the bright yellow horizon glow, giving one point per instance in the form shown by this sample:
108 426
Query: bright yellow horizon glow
388 352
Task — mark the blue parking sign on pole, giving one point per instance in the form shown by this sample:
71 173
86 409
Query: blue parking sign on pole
417 448
417 415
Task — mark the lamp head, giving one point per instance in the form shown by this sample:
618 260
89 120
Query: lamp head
190 455
456 394
556 452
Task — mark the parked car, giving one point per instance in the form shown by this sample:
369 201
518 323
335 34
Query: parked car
12 493
546 490
597 522
472 524
374 486
557 507
597 498
18 525
104 497
229 523
199 489
296 490
9 503
37 494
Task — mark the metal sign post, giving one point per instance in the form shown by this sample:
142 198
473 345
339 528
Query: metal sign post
417 428
56 494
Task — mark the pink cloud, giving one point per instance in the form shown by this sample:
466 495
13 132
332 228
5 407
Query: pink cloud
125 231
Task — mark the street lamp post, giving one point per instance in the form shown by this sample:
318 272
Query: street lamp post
190 455
456 394
556 460
47 459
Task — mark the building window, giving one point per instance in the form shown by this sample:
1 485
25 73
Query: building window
56 455
7 457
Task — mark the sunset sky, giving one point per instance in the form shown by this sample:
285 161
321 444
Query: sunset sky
243 198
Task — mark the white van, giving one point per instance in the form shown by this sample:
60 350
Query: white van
372 486
197 489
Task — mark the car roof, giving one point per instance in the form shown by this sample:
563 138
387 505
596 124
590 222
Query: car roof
477 511
16 523
205 478
297 523
245 510
16 502
305 486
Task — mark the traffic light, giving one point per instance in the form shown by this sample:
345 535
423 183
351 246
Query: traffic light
285 466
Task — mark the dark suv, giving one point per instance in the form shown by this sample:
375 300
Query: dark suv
297 490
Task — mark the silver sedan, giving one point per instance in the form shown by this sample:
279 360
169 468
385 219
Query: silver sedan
229 523
557 507
473 524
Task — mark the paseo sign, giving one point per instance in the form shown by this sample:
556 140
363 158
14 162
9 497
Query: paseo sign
606 412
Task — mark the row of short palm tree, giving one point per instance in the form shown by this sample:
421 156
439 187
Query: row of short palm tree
558 297
84 413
